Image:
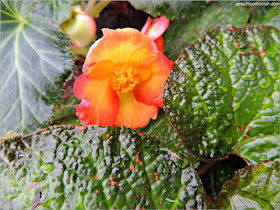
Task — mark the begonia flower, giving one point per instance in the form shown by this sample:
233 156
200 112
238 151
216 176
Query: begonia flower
155 30
122 81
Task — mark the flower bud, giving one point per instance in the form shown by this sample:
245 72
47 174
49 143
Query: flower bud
81 28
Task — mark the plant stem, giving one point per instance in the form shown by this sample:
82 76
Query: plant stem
95 11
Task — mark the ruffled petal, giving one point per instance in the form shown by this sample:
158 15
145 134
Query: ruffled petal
142 56
158 27
99 104
134 114
117 46
150 90
101 70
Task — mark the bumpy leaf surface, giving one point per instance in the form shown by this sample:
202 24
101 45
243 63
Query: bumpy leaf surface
254 187
57 10
224 89
35 59
162 129
170 9
95 168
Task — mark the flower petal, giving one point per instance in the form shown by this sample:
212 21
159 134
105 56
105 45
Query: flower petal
102 102
150 90
158 27
142 56
159 43
101 70
147 25
132 113
117 46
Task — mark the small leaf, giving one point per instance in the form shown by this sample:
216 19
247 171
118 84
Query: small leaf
253 187
37 60
56 10
95 168
217 62
170 9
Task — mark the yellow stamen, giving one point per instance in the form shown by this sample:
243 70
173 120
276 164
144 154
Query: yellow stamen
124 78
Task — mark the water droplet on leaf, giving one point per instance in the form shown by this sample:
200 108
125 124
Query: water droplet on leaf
249 77
46 168
229 116
264 82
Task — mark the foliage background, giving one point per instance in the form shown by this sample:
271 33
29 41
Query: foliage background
215 144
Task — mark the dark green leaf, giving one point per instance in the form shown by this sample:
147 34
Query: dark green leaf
268 15
37 60
254 187
66 114
223 84
170 9
163 130
95 168
57 10
188 30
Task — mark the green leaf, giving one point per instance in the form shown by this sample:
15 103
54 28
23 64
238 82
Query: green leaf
37 60
188 30
163 130
254 187
268 15
66 114
57 10
95 168
260 140
226 82
170 9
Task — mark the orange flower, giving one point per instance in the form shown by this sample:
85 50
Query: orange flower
155 30
122 81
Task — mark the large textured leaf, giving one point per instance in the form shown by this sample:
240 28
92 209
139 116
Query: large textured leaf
163 130
95 168
224 85
254 187
170 9
57 10
35 60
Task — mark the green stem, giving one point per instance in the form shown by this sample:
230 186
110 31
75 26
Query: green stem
95 11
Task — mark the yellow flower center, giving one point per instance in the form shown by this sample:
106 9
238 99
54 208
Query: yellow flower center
124 78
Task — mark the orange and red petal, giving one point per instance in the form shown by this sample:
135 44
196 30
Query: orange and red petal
158 27
150 90
117 46
142 56
101 70
99 104
134 114
159 43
